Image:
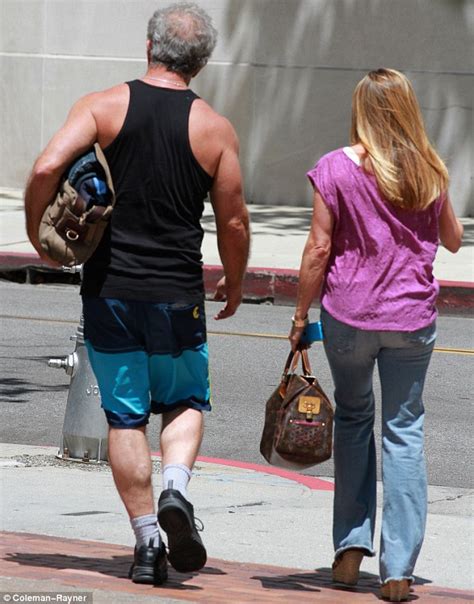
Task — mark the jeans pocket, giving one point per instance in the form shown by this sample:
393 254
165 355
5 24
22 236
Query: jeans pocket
421 337
339 337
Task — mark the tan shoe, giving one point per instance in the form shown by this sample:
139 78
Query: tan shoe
345 568
396 591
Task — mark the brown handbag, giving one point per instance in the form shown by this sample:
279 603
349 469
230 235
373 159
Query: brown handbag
298 419
71 229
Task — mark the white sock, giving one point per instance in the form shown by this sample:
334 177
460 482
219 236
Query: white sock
176 476
146 529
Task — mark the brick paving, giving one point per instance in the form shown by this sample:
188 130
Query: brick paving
88 566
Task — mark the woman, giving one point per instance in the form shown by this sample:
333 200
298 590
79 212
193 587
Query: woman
380 207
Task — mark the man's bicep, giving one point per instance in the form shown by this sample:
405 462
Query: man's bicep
226 192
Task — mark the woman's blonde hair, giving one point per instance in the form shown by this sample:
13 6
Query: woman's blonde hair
387 122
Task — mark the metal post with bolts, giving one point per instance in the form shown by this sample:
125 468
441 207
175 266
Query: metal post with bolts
85 428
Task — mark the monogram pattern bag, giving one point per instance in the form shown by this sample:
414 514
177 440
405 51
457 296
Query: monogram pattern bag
298 419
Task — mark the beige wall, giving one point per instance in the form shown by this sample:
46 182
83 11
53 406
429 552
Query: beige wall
283 72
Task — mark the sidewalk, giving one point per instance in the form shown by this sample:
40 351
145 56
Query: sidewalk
279 235
267 532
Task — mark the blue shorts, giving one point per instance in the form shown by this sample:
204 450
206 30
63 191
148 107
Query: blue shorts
147 357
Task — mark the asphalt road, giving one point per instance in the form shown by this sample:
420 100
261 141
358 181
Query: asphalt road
37 321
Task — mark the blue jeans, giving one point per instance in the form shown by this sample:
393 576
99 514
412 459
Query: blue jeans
402 359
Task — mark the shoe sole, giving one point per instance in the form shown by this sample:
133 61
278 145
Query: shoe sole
185 553
145 574
147 578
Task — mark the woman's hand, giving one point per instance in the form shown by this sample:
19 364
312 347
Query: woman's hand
296 331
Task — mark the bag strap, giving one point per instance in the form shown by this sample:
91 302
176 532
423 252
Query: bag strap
101 159
291 365
292 362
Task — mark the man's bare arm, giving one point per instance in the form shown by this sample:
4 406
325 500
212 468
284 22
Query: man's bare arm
232 221
76 136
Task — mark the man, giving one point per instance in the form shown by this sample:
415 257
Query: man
142 289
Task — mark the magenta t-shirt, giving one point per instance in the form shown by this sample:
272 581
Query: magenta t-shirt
380 272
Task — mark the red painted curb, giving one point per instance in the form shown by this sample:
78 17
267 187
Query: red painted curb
10 260
278 285
464 284
313 483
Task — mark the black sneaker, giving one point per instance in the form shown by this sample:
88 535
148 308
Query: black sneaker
176 517
149 565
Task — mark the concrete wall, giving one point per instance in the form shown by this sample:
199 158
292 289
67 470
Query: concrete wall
283 72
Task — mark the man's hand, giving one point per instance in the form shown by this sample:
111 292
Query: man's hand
232 296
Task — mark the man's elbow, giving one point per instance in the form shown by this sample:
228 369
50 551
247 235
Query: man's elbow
238 225
44 170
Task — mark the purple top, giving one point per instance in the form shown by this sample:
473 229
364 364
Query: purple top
380 272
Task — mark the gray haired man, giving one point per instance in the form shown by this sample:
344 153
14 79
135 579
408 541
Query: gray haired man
143 287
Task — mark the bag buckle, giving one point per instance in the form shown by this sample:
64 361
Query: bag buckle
310 405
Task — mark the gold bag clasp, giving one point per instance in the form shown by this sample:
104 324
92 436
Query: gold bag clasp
309 405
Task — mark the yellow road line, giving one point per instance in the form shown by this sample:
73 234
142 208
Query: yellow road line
42 319
455 350
467 351
240 334
247 335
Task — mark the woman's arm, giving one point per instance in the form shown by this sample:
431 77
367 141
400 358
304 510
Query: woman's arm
450 229
313 265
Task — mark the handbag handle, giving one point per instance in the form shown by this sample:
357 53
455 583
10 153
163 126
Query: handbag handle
291 365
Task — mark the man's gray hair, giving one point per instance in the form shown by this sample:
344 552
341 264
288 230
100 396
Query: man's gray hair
182 38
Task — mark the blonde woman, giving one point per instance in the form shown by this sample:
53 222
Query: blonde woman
380 208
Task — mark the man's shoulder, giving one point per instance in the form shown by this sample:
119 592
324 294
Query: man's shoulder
211 122
211 135
115 93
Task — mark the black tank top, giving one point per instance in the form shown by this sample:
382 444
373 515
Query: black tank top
151 249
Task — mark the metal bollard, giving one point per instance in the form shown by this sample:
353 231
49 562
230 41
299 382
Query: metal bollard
85 428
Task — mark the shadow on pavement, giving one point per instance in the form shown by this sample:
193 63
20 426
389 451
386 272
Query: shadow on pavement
322 579
116 566
13 388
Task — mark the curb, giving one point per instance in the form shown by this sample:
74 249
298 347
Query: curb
312 482
280 286
261 284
